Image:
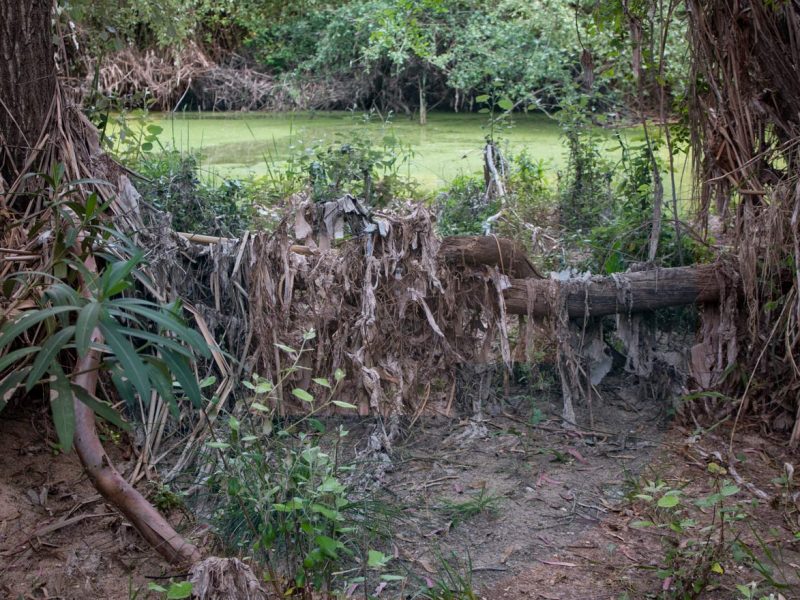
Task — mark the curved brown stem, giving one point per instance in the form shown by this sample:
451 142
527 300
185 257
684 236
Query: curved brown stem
145 518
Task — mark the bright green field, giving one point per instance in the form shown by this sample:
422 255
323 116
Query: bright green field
249 144
450 144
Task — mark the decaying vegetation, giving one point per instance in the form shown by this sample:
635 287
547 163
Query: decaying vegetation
746 133
378 302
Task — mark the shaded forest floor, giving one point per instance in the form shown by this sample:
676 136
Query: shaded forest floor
517 508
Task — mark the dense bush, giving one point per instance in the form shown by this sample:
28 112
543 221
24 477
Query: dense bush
403 54
173 185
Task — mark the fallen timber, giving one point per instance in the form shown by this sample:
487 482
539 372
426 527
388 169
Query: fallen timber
620 293
598 295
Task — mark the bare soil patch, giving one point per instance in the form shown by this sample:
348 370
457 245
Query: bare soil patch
58 538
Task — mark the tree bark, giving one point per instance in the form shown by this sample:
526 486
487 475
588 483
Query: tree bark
626 292
27 80
29 108
476 251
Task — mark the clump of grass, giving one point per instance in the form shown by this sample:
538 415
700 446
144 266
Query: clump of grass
454 580
482 502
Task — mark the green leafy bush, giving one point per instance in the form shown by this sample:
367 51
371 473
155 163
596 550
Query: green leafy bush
145 346
283 491
174 185
462 208
355 164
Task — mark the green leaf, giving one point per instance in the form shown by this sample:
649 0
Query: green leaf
123 385
115 277
159 341
643 524
505 104
100 408
185 376
717 568
166 319
13 357
12 330
128 358
263 387
377 560
729 490
87 321
331 485
325 511
390 577
62 407
328 545
179 590
259 407
49 353
322 381
302 395
669 501
287 349
10 383
339 374
208 382
482 98
219 446
341 404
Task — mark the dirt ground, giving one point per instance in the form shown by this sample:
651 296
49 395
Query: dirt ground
58 539
518 508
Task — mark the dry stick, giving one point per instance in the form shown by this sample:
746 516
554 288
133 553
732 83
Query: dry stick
742 402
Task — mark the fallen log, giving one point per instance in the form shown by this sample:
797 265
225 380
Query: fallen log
471 251
596 296
476 251
619 293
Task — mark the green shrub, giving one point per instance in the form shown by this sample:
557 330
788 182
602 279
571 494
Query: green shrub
284 495
462 209
356 165
173 185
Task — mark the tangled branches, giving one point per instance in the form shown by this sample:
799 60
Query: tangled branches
747 147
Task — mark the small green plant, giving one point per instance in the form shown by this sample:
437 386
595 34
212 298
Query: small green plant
750 591
482 502
454 581
284 495
145 345
585 188
355 164
463 208
197 205
694 553
176 590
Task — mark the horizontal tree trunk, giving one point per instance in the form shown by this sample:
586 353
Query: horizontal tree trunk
475 251
624 292
599 295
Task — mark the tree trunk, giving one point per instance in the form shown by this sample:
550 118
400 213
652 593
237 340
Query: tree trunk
625 292
27 81
621 293
475 251
30 107
423 101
